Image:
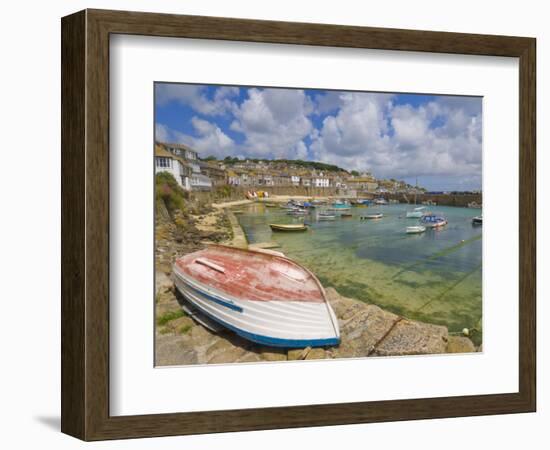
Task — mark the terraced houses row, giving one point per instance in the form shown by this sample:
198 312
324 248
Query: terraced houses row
191 173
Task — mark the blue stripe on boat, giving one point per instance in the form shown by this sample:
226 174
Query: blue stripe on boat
268 340
213 298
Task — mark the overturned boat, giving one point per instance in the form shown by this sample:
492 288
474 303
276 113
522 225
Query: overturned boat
263 297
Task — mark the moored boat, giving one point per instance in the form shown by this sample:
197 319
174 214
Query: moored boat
433 221
326 216
415 229
339 207
372 216
416 213
361 202
288 227
263 297
478 220
346 215
298 212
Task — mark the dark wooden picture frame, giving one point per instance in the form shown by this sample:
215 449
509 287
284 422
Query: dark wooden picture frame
85 224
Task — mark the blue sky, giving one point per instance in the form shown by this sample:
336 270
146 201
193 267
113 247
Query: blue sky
433 137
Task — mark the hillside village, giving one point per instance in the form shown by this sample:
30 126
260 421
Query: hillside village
194 173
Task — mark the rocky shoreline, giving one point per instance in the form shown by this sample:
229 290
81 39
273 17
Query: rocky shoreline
366 329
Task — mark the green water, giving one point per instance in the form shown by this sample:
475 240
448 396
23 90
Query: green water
434 277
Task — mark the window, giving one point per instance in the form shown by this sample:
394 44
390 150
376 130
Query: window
164 162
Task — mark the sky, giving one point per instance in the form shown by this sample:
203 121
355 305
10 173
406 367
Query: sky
435 138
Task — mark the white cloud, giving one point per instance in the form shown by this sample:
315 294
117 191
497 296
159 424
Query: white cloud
274 122
210 139
162 133
195 97
368 132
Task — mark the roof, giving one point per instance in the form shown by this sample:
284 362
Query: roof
361 180
161 151
183 162
176 145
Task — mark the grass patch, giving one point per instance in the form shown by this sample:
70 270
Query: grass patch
165 330
185 329
168 316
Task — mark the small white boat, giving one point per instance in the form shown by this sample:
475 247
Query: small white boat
326 216
262 297
416 213
478 220
433 221
415 229
372 216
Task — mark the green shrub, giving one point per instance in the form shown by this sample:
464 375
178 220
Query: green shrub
224 191
167 189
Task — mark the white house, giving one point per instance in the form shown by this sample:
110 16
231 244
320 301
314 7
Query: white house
233 179
321 182
200 182
167 162
295 180
182 150
265 180
195 167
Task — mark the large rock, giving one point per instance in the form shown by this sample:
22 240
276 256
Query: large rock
298 353
413 338
229 355
272 354
162 281
367 330
173 350
460 344
316 353
249 357
201 337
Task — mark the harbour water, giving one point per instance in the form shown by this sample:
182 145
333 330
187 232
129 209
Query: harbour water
433 277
